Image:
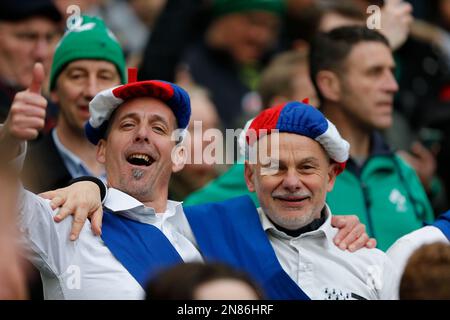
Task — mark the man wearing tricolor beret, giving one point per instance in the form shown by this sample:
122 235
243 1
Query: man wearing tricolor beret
288 241
132 126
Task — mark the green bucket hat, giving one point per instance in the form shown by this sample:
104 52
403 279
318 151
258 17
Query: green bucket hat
90 40
223 7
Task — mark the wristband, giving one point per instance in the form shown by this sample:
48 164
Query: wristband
95 180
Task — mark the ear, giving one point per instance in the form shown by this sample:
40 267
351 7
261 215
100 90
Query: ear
179 156
249 173
101 151
329 85
332 174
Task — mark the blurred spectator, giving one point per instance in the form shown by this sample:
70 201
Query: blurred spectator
228 60
196 175
86 61
427 274
356 87
199 281
181 23
325 15
12 275
286 78
130 20
29 31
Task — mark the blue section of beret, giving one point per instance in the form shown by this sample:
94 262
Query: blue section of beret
180 105
303 119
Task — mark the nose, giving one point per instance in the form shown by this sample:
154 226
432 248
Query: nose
42 50
390 83
291 181
141 135
91 88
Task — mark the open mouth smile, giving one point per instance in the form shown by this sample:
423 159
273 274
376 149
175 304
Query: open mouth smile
140 159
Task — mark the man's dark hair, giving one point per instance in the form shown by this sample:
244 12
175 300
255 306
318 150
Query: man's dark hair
330 50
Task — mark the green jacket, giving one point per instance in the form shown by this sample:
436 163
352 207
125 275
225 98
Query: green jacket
385 194
229 185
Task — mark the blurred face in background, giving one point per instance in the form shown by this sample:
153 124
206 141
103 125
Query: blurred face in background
246 36
367 86
77 85
24 43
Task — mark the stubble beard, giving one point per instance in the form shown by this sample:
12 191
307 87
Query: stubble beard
137 191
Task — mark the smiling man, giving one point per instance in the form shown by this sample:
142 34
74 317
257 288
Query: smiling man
288 241
87 60
142 230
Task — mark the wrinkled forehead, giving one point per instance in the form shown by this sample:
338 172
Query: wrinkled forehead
363 56
143 109
146 107
283 145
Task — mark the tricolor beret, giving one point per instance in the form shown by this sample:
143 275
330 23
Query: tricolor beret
106 101
303 119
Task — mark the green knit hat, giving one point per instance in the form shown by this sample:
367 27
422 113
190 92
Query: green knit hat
223 7
90 40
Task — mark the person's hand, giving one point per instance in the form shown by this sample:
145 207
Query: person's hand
423 161
396 20
352 233
27 114
82 200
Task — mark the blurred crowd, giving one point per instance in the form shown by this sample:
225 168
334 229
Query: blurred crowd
236 58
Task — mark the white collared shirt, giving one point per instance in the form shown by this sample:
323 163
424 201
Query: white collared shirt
86 268
73 163
323 271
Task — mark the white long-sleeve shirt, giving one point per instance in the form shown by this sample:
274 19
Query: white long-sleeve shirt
324 271
86 268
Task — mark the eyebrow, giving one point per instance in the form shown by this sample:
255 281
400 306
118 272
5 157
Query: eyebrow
76 68
309 160
153 117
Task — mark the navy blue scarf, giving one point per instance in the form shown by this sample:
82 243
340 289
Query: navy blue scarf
231 232
141 248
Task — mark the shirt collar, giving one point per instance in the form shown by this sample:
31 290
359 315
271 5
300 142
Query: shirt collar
123 204
72 162
65 153
325 230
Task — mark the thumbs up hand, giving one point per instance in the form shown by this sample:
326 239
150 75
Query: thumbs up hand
27 114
